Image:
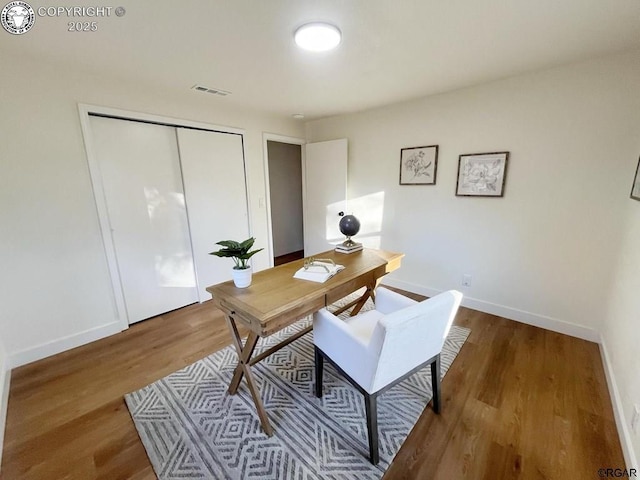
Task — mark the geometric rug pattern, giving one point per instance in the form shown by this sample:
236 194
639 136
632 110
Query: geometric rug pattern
192 428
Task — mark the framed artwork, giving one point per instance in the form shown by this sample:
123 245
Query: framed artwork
418 165
635 188
482 174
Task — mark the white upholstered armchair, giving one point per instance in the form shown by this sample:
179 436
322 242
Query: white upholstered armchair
377 349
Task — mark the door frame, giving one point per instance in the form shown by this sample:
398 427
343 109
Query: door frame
267 187
84 111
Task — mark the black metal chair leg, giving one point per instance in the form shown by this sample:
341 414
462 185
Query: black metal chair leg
319 361
435 383
371 407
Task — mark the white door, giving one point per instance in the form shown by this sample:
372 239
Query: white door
325 178
215 188
140 172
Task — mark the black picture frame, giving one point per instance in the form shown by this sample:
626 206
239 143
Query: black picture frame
482 174
419 165
635 187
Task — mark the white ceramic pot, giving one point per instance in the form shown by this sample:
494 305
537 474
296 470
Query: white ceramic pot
242 278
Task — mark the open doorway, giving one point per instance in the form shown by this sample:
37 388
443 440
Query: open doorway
285 200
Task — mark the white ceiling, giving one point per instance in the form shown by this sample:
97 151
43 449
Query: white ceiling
391 50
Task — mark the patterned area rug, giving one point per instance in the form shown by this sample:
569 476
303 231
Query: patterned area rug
192 428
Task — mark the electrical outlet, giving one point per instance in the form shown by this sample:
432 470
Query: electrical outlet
466 280
635 419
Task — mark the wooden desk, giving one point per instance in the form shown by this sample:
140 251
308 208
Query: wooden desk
275 300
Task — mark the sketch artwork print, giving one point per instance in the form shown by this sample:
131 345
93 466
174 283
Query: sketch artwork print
482 174
418 165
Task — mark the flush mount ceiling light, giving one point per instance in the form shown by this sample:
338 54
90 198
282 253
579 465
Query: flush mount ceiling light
318 37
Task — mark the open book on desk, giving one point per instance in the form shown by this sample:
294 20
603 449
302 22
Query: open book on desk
318 271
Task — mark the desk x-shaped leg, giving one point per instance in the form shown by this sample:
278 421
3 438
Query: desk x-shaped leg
244 369
245 352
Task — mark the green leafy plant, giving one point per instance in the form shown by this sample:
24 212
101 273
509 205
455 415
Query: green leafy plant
239 251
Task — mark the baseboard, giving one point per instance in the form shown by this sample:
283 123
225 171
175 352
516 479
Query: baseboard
53 347
5 383
548 323
618 411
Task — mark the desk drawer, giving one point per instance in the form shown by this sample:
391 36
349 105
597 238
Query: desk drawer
292 315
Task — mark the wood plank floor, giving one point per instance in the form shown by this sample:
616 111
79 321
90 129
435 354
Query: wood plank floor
518 402
289 257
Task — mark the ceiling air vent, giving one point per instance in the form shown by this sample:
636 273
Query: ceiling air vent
214 91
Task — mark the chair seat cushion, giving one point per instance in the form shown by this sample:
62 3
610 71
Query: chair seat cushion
363 324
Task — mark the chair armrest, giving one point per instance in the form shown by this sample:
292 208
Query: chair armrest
388 301
332 334
334 337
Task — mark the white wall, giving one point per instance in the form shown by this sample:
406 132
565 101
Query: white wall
285 187
560 250
545 252
621 328
55 291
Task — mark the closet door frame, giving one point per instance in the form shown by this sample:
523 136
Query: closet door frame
85 110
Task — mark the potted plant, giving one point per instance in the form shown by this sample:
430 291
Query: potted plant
240 252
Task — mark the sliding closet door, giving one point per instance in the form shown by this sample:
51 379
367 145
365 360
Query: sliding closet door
140 172
215 189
